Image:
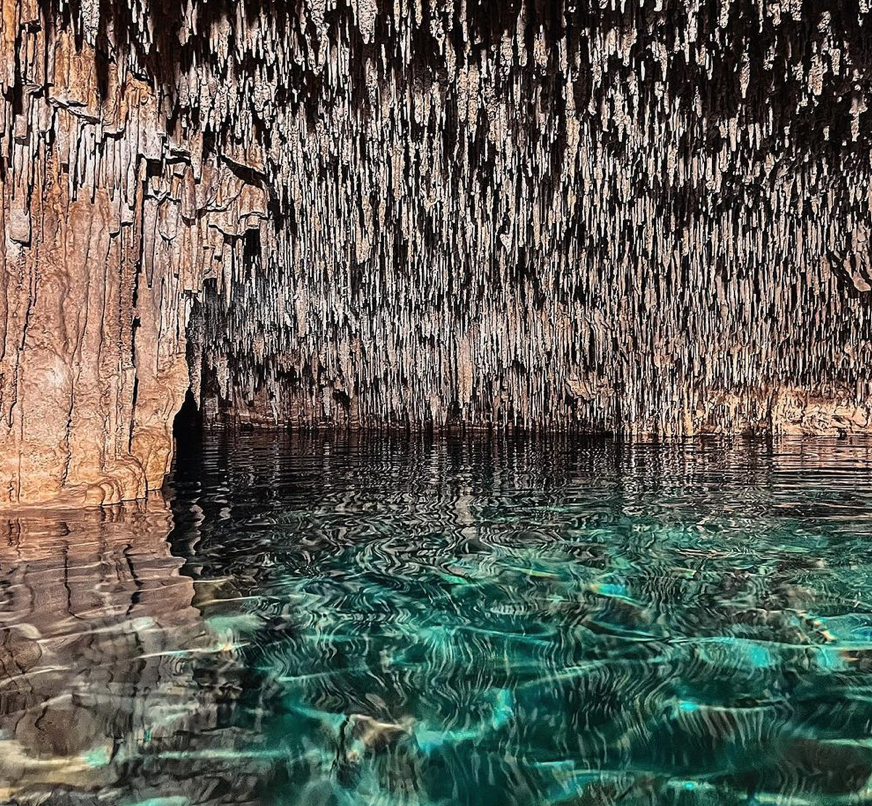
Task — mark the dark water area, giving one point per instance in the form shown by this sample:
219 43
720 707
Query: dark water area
377 620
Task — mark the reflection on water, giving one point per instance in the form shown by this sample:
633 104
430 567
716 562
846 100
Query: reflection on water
101 654
383 621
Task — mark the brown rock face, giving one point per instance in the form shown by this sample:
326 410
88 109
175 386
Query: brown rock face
641 218
109 230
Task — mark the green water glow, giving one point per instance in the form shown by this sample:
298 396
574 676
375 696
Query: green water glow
386 621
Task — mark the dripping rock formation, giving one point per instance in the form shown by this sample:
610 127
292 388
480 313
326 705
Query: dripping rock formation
637 216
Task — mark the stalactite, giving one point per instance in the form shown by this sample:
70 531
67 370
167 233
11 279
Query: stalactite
643 217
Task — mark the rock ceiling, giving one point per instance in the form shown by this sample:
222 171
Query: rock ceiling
639 217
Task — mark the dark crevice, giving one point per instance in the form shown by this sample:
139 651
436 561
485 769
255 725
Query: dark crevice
188 426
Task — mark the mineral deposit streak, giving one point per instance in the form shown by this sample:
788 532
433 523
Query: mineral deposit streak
639 217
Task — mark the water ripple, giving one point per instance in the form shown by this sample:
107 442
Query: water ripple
380 620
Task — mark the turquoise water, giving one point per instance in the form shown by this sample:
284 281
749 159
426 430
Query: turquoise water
390 621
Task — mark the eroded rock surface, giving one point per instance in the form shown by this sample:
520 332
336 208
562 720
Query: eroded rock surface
640 218
112 219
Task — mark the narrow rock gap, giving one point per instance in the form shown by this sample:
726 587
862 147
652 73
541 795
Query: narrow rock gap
188 425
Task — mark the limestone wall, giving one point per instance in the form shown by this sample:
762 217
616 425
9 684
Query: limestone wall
111 220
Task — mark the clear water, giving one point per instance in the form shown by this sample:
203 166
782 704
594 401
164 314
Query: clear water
382 621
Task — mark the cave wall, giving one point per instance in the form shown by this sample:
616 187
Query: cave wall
639 217
111 220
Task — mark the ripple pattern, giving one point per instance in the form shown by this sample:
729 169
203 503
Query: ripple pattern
392 621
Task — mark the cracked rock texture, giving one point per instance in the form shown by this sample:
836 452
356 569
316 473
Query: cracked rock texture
643 217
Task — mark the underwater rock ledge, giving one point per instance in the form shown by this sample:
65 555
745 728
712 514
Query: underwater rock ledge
639 218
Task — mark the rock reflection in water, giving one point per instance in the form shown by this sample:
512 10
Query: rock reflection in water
100 645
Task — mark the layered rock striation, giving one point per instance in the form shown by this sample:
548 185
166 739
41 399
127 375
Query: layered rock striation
644 217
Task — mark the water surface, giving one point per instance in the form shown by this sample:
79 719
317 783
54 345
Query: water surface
388 621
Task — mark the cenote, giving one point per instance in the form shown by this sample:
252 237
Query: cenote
399 620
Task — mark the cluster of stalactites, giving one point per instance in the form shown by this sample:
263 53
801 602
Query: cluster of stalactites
647 216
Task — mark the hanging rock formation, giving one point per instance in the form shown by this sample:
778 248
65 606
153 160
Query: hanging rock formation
647 217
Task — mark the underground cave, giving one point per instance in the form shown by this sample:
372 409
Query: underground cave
640 219
435 402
